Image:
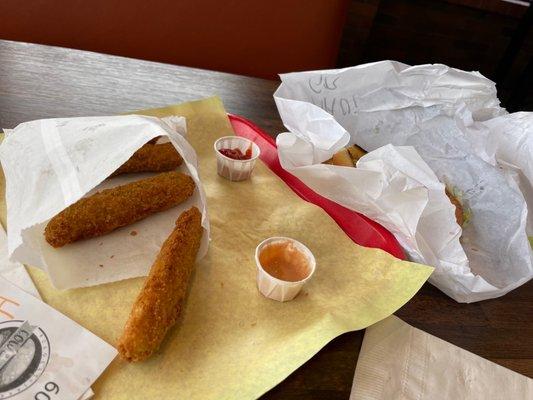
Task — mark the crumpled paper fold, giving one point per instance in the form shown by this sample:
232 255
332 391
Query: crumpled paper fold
510 142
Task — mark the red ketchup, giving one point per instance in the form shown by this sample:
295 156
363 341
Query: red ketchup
236 154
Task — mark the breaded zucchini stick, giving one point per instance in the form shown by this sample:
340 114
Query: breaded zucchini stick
151 158
113 208
160 301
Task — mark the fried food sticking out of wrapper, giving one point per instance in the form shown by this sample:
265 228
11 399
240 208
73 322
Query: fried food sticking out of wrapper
113 208
161 299
151 158
348 157
459 214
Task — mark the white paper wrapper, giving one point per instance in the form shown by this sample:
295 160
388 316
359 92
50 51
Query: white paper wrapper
442 113
510 141
16 274
50 164
51 355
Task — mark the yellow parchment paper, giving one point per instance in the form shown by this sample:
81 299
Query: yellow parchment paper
232 343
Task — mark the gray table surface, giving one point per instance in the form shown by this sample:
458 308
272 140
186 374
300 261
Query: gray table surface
42 81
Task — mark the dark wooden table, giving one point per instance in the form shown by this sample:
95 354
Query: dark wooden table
40 81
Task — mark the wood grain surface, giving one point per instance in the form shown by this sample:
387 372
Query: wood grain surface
40 81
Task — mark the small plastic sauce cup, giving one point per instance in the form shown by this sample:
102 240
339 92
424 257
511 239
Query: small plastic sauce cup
275 288
235 170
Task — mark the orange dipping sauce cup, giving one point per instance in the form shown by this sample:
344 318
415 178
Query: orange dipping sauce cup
284 265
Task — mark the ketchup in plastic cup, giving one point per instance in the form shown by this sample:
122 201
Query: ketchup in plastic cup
235 157
284 265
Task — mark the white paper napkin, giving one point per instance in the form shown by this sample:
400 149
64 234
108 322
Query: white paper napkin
400 362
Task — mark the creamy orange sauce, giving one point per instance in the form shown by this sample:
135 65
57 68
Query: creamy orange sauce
284 261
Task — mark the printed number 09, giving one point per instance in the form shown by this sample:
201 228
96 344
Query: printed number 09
49 387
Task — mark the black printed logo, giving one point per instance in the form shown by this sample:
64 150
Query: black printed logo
24 355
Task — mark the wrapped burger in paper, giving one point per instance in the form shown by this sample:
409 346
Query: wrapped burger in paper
439 111
50 164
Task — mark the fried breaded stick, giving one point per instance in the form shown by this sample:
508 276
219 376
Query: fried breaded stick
160 301
151 158
113 208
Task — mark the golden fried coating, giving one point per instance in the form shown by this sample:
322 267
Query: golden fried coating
341 158
355 153
347 156
160 301
458 208
151 158
113 208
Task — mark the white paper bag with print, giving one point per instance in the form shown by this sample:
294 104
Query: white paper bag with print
43 354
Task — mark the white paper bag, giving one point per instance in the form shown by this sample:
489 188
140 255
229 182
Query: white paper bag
50 164
441 112
43 354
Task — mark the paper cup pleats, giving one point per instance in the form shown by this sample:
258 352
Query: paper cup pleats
235 170
278 289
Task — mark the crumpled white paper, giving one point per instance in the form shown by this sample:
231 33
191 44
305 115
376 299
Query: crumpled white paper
50 164
510 142
441 112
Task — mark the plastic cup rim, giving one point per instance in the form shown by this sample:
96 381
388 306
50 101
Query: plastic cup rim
310 257
239 138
